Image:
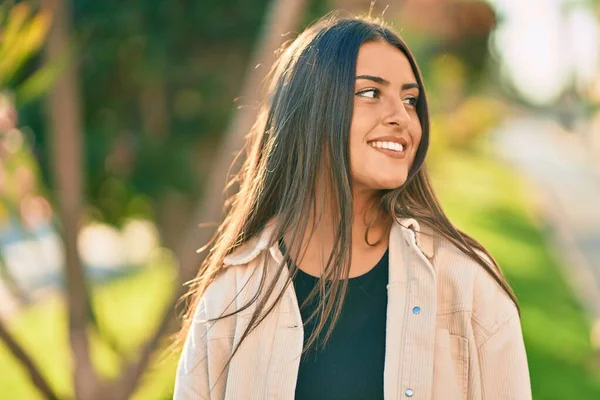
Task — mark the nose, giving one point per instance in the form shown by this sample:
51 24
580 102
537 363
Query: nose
396 114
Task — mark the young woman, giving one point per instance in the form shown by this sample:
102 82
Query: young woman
336 274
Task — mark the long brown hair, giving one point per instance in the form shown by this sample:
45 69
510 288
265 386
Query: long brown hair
302 134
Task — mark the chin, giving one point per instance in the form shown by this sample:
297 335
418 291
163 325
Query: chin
390 184
394 186
379 182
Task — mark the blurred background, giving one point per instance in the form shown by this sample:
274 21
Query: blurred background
119 121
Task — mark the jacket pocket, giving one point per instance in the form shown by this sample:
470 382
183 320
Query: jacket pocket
450 366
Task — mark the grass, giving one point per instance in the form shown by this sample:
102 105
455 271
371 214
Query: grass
481 196
129 310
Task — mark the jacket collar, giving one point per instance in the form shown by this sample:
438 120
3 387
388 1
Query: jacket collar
424 236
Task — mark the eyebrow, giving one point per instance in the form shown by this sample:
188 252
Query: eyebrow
385 82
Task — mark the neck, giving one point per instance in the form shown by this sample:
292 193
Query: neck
319 245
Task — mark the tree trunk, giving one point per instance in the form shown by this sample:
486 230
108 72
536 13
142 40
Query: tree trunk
63 110
154 106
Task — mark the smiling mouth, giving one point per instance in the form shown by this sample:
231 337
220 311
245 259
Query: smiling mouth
390 149
392 146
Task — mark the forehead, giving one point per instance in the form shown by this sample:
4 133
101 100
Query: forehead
384 60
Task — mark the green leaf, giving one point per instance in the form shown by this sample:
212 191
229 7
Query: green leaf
42 79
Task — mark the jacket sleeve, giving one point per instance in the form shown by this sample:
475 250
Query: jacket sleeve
503 363
191 381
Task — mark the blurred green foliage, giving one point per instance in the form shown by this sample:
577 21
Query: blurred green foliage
159 81
23 30
22 33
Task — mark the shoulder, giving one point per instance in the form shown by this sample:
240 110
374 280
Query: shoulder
251 249
238 265
219 297
240 275
492 306
466 286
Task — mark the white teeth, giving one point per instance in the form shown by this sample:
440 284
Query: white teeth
387 145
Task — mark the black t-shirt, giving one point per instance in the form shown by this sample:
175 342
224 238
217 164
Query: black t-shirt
350 367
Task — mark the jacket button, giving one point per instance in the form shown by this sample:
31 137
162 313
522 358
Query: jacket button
416 310
409 392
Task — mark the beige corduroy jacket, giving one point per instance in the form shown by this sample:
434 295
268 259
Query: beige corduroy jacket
452 332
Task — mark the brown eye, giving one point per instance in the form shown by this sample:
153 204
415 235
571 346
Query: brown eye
369 93
412 101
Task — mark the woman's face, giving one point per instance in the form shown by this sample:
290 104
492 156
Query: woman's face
385 131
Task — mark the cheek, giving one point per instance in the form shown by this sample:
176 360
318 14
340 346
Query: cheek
363 122
416 132
357 125
359 130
